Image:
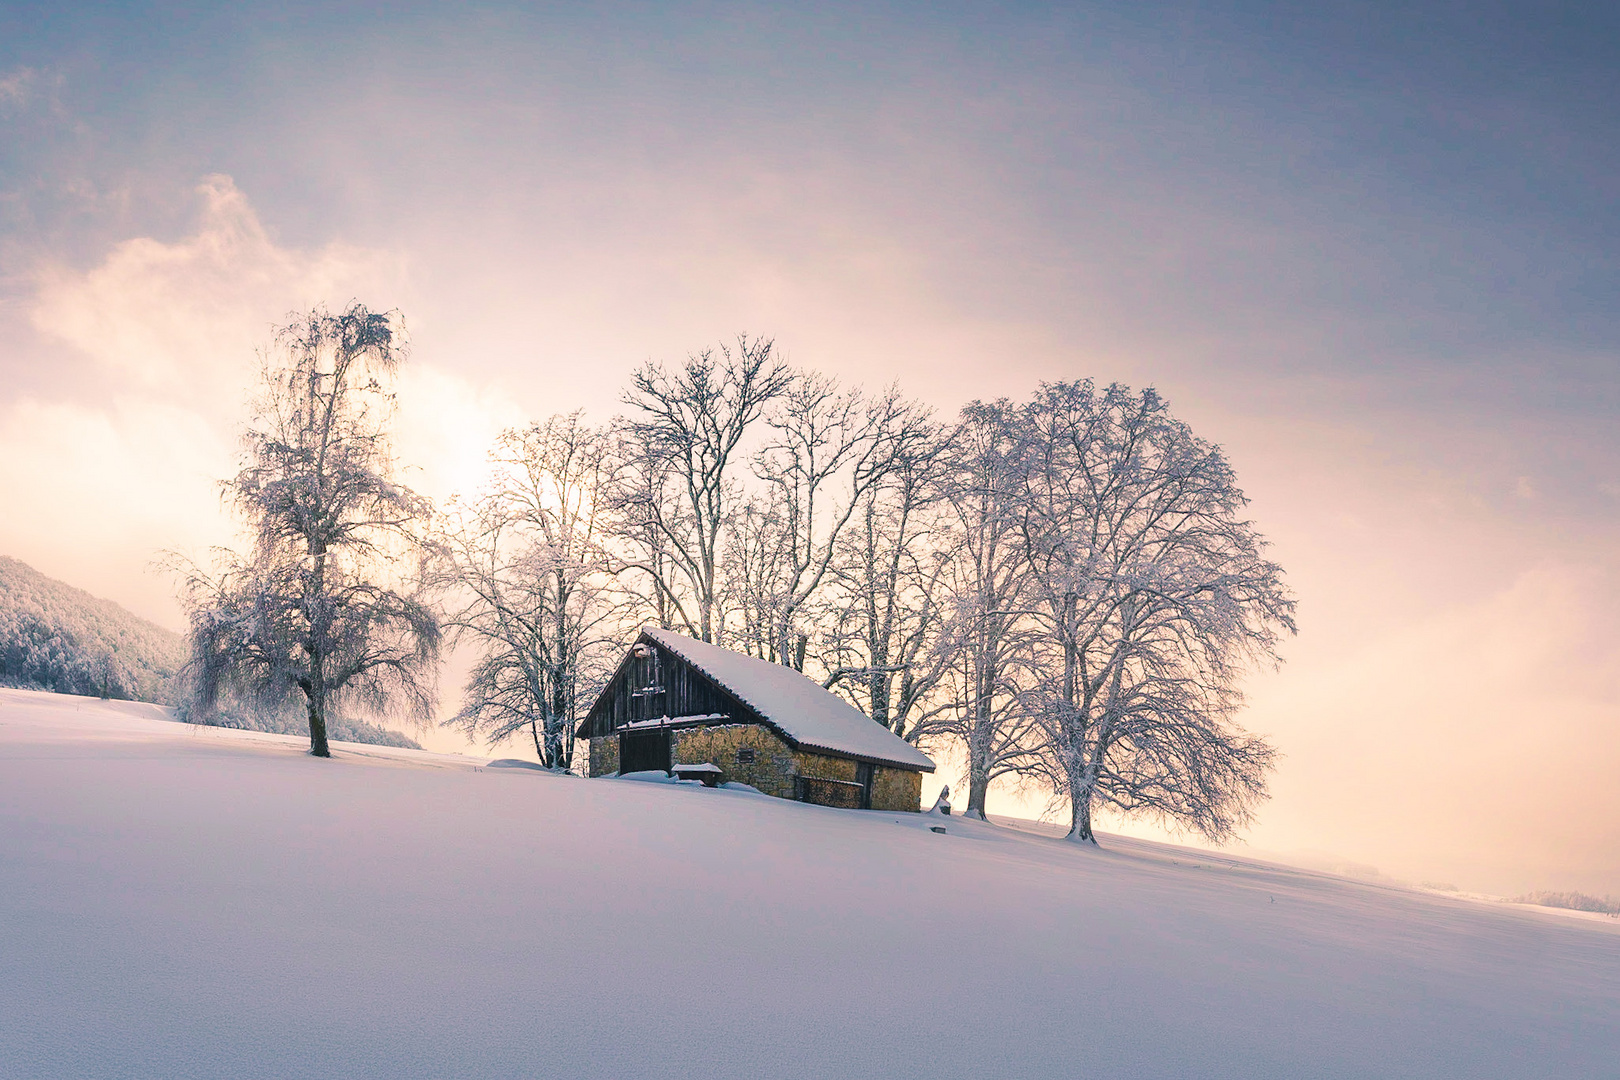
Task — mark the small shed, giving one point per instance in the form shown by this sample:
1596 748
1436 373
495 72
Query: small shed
676 701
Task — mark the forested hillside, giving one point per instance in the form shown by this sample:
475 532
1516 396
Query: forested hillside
56 637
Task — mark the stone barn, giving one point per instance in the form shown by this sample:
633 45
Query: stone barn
675 701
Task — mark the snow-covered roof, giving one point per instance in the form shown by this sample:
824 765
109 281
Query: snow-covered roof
803 710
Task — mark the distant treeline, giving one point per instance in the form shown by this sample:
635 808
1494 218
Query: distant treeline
61 639
55 637
1573 901
292 722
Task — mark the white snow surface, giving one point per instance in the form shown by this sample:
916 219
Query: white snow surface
183 902
811 715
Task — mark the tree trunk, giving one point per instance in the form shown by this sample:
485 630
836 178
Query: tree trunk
317 729
315 686
979 743
877 679
1071 652
559 722
1080 815
908 687
978 787
878 689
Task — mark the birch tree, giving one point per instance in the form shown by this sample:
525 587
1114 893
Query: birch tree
322 607
1152 596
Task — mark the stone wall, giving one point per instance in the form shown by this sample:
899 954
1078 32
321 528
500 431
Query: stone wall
892 789
774 765
604 755
772 769
828 768
897 789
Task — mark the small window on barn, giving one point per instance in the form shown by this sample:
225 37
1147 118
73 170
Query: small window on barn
745 755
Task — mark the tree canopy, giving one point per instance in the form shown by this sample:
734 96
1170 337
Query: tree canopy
326 603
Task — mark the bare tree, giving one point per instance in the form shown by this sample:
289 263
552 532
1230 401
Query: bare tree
889 614
320 607
828 449
680 491
986 589
755 575
539 598
1152 597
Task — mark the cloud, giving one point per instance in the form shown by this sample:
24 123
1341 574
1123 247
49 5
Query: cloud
124 461
188 317
16 88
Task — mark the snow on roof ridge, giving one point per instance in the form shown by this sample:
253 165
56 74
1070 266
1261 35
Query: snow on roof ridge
800 707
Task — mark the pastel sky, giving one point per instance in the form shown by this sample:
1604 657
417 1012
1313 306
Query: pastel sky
1372 250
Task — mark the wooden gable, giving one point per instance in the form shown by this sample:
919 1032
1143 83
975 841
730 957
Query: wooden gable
652 682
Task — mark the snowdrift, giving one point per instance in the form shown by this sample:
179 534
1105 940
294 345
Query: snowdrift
186 902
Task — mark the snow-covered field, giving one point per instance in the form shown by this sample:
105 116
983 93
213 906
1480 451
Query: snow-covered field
179 902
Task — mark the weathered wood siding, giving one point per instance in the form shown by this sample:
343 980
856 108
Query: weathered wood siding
656 685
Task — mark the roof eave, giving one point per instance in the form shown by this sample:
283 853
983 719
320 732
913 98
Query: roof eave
909 766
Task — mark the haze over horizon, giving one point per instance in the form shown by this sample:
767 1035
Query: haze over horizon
1371 253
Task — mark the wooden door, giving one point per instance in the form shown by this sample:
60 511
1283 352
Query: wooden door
641 751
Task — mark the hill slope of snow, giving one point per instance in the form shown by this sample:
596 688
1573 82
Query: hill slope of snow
187 902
